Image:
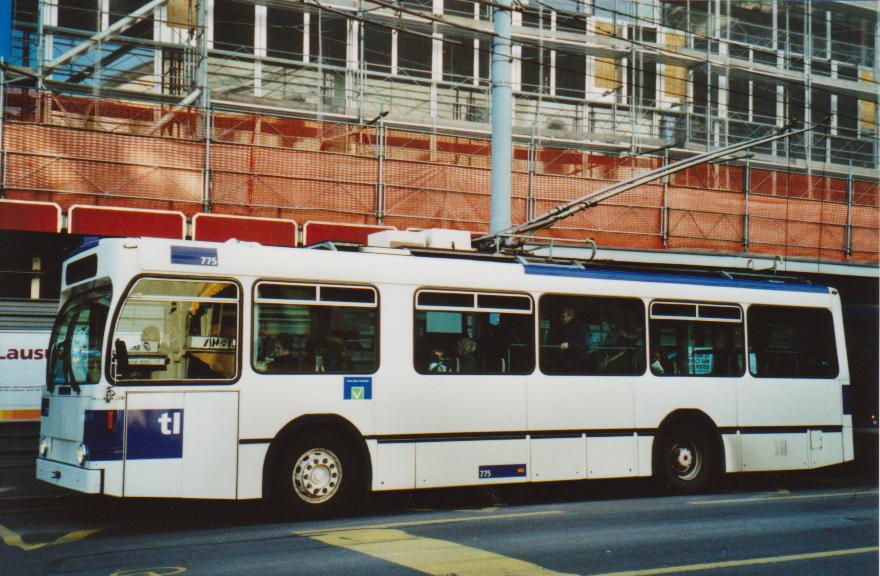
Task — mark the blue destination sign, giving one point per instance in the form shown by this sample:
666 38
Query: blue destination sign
194 256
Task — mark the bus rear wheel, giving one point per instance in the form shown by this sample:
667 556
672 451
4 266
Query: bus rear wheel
685 460
318 474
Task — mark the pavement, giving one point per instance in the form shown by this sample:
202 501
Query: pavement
19 486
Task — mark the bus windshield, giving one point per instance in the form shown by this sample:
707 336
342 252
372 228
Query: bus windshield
77 340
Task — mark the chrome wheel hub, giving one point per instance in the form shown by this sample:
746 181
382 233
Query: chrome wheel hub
317 475
685 460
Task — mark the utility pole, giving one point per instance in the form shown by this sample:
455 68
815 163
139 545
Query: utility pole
502 117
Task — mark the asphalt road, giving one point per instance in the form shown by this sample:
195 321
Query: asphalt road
768 524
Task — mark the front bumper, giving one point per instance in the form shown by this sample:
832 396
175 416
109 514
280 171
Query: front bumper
68 476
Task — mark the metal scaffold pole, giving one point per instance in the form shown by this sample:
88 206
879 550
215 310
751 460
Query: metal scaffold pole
502 118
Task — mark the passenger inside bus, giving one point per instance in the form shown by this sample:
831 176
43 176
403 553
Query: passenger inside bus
725 360
570 334
467 355
438 363
657 364
615 353
282 357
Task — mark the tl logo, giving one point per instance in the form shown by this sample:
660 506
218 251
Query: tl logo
169 423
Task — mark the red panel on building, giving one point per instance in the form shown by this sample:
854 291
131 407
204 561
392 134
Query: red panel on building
30 216
314 232
109 221
222 227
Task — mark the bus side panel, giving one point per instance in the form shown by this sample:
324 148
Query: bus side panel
157 474
271 401
181 444
826 448
598 406
762 452
395 465
210 457
848 447
645 454
611 456
657 397
250 470
463 463
113 472
558 458
732 452
768 405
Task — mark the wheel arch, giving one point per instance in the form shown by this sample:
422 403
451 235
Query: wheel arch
330 422
689 417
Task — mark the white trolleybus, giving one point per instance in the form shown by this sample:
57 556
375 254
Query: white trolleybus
200 370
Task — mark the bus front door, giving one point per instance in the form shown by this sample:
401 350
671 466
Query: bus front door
181 444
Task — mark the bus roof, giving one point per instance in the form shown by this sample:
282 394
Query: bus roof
233 257
668 278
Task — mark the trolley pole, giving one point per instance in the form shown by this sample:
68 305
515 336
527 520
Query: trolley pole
502 118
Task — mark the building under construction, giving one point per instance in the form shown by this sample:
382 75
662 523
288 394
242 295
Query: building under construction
376 112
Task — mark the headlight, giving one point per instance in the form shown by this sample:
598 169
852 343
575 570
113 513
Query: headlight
82 454
43 448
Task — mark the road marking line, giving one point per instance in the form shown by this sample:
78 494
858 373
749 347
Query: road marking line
747 562
161 571
452 520
11 538
775 498
429 555
486 510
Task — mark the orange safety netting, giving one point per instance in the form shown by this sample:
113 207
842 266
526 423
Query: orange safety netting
76 150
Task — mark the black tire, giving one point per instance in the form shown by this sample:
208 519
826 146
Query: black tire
685 459
317 473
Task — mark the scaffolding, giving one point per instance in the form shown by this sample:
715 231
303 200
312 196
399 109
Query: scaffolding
79 150
377 112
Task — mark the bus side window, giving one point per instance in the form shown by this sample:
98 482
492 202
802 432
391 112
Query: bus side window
179 330
313 328
473 333
588 335
791 342
695 339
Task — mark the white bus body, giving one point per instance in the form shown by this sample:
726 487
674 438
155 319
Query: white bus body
233 433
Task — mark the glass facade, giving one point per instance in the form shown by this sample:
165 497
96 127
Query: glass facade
697 72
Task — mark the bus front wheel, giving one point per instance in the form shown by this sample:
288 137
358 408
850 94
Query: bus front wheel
685 460
317 474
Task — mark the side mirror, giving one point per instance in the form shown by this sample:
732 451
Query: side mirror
120 360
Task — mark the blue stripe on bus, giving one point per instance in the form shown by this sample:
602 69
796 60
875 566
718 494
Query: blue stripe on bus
847 400
545 270
152 434
102 433
194 256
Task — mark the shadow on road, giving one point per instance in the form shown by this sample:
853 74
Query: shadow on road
146 516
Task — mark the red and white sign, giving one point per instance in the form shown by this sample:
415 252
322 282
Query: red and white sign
266 231
125 222
22 374
30 216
